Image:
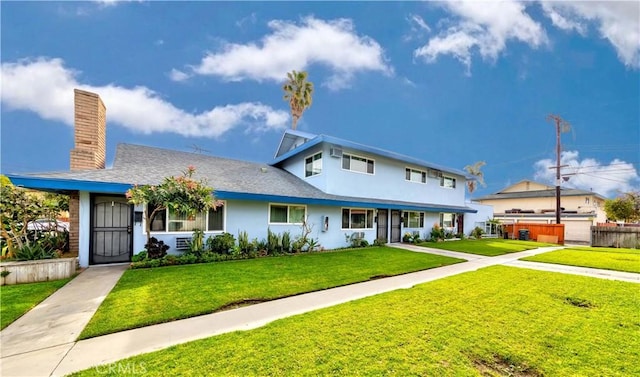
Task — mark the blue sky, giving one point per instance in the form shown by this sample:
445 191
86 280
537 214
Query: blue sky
447 82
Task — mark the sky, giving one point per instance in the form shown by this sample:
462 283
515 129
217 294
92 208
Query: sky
451 83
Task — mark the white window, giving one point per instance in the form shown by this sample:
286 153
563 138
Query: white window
413 219
313 165
414 175
287 214
170 221
447 182
357 218
357 164
447 220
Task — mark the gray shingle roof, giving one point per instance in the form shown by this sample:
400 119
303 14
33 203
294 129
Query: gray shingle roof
135 164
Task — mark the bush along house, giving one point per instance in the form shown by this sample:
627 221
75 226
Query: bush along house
338 189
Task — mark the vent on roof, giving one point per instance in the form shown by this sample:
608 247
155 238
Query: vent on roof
182 243
335 152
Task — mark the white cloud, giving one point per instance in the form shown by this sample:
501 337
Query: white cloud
176 75
333 44
45 86
617 21
485 27
590 174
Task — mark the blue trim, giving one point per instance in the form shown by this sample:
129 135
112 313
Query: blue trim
60 185
372 150
228 195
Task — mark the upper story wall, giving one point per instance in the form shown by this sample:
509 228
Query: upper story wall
580 203
362 174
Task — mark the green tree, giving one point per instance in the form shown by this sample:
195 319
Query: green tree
17 209
475 171
625 207
183 195
298 92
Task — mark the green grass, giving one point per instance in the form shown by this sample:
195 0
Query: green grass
150 296
595 257
15 300
495 321
489 247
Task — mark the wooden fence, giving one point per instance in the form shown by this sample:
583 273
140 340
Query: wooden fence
535 230
615 236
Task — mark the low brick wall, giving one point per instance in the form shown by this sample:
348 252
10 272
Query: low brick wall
38 270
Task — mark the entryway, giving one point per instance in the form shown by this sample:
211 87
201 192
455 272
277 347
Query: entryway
111 240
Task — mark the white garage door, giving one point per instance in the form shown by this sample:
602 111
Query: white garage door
577 231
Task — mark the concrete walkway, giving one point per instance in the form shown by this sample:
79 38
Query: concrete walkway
64 356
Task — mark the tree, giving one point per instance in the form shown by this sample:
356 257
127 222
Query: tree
297 91
183 195
474 170
625 208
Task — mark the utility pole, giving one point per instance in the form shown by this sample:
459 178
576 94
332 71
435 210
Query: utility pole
561 126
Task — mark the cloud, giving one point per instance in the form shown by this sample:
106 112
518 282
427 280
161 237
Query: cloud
45 87
179 76
485 27
617 21
333 44
590 174
418 27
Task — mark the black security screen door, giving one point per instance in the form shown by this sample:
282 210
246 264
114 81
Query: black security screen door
395 226
383 224
111 230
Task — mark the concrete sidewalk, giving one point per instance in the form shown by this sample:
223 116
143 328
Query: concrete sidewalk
65 356
35 343
574 270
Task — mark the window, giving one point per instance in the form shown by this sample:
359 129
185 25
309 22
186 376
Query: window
447 182
414 175
356 218
447 220
285 214
211 221
357 164
313 165
413 219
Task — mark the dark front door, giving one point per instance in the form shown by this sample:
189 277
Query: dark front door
111 240
395 226
383 225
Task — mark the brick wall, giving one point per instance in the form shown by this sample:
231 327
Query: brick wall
89 152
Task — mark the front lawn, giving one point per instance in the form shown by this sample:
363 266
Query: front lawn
595 257
498 321
489 247
15 300
150 296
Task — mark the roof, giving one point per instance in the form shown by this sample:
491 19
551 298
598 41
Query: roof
295 142
537 194
231 179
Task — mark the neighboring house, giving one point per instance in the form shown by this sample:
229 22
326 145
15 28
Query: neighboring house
533 202
340 188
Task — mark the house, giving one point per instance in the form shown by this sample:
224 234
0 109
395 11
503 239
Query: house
341 189
533 202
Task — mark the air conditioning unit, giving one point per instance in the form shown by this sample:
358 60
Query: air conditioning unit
435 173
183 243
335 152
357 235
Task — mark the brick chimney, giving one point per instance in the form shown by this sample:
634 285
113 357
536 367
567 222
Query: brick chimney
90 122
90 131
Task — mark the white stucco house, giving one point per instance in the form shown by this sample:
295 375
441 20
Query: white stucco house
338 186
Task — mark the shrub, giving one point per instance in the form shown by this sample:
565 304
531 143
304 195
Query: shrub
273 243
477 233
437 233
196 245
35 251
156 249
286 241
140 256
379 241
221 243
243 243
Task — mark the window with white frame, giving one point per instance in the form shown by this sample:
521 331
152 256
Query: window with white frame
287 214
413 219
313 165
357 164
447 220
415 175
357 218
170 221
447 182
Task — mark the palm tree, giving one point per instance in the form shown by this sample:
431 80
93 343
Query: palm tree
297 91
474 170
